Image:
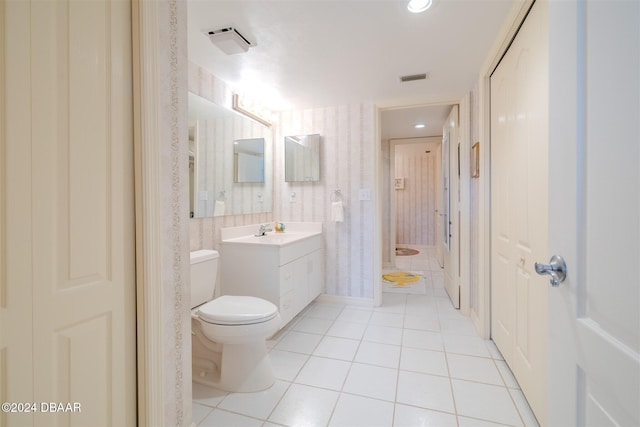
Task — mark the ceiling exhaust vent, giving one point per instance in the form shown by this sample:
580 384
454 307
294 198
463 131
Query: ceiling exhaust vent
414 77
229 40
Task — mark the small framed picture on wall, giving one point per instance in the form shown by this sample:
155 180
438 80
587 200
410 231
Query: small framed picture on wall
475 160
399 184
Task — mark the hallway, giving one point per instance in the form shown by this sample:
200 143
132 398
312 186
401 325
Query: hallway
414 361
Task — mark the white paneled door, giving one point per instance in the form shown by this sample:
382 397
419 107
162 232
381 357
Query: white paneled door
594 213
519 166
450 212
439 208
67 292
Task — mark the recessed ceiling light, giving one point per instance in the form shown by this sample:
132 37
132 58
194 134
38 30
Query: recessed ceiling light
417 6
419 126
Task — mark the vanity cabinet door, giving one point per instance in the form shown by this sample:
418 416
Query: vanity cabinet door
301 287
290 276
287 284
315 274
301 282
285 308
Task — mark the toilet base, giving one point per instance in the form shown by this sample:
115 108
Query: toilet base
241 367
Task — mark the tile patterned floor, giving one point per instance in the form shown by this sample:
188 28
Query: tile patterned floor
414 361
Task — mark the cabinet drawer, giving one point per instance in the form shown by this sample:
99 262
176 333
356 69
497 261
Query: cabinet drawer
291 252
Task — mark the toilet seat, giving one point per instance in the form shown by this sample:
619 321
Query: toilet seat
237 310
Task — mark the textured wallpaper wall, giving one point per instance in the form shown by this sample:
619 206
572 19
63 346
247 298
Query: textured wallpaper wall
205 232
347 163
416 202
215 166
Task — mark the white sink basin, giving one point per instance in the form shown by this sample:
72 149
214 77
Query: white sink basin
275 239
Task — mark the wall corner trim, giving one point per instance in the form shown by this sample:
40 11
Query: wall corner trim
148 214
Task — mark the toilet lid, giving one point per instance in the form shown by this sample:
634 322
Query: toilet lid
237 310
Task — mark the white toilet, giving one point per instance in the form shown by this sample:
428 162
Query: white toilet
229 332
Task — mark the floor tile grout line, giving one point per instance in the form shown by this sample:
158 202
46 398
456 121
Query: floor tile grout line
439 312
453 395
486 421
398 370
440 411
301 368
509 392
238 413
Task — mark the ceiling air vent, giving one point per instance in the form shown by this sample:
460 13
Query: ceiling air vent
414 77
229 40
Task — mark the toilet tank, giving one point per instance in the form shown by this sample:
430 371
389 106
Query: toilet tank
204 273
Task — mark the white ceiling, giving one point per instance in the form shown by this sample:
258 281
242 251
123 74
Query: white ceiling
314 53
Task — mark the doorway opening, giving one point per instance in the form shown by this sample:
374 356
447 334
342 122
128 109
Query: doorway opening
414 193
410 189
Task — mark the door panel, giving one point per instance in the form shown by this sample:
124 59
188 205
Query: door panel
439 207
72 185
16 277
519 148
595 224
450 206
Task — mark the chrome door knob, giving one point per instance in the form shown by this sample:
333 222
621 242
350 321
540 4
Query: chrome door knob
556 268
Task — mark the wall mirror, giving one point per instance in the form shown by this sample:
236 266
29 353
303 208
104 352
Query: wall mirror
248 160
230 162
302 158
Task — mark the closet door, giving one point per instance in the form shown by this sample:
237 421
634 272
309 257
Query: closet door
68 279
519 165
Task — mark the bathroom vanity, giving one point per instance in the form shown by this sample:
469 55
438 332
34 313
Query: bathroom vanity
284 268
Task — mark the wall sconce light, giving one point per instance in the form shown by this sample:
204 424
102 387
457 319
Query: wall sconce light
251 110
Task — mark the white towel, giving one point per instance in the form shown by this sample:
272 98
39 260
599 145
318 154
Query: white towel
218 209
337 211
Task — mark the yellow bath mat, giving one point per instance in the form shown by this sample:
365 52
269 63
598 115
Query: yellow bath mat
406 252
401 278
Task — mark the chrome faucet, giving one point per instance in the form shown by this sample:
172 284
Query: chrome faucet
263 230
